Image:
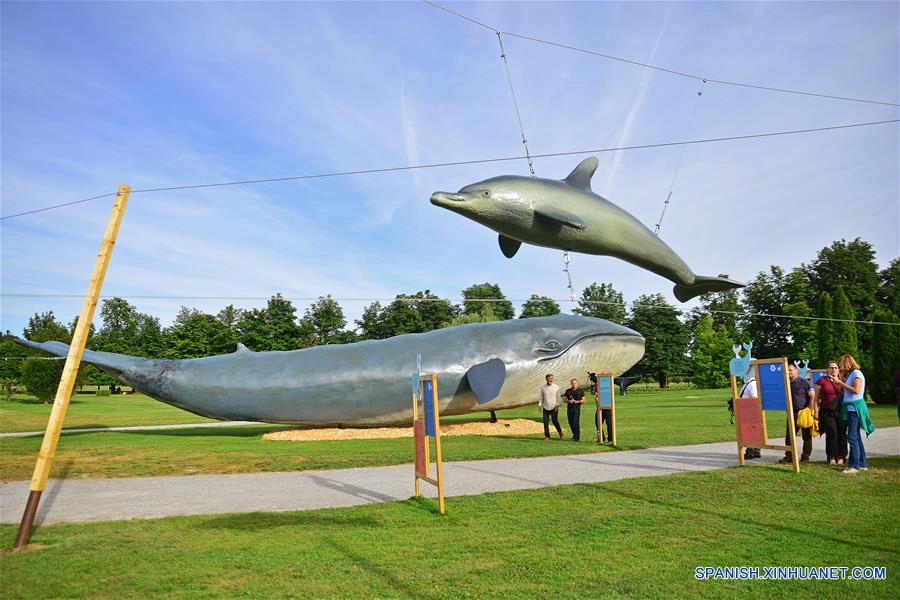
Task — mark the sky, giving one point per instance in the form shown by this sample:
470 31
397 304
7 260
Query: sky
168 94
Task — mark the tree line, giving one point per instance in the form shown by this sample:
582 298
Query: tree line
843 284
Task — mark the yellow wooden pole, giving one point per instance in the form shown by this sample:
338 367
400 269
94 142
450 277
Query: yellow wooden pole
437 443
415 402
70 371
612 392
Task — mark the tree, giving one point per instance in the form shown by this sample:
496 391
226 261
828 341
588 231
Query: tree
119 331
44 327
851 265
274 327
710 354
888 292
724 308
370 324
41 377
885 356
326 318
844 329
8 385
503 308
825 331
433 311
194 334
11 356
416 313
666 337
485 316
778 293
539 306
602 301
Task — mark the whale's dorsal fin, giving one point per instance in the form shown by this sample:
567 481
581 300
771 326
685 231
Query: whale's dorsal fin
580 177
560 216
242 348
508 246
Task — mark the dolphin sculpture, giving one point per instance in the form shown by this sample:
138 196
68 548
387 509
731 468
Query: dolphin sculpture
480 367
569 216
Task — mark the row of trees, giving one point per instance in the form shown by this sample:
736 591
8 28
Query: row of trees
806 312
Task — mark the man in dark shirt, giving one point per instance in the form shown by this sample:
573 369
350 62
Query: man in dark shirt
801 396
574 400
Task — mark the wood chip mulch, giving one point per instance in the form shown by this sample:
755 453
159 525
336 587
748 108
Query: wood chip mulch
501 427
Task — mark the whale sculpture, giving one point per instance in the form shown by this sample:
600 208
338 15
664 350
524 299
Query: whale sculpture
480 367
569 216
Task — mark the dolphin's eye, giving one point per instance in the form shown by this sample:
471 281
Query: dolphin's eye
486 194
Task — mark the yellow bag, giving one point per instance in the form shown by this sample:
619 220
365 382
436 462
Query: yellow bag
805 420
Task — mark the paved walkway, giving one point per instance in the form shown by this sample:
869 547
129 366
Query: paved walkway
150 497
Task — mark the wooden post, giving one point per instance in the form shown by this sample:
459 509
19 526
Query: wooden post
70 371
437 443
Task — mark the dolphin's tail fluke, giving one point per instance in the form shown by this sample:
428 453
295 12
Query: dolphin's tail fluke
704 285
112 363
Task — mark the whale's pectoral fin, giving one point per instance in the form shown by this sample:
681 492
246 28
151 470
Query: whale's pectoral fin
508 246
560 217
704 285
486 379
580 177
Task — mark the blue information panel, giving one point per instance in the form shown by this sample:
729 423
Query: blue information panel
428 397
606 397
771 386
814 376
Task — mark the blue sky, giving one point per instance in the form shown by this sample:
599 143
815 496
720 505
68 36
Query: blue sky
163 94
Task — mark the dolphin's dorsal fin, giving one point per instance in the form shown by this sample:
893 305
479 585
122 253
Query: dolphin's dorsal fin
560 216
508 246
242 348
580 177
486 379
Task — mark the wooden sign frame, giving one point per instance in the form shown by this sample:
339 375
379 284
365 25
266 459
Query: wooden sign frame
789 408
612 407
422 464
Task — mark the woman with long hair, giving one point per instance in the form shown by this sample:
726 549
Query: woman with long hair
854 412
828 403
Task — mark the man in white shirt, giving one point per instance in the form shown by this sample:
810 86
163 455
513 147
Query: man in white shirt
749 391
549 404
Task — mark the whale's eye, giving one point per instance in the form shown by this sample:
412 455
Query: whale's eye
552 345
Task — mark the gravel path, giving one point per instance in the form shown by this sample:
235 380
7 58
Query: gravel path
151 497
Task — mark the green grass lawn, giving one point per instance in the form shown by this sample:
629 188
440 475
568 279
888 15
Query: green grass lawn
645 420
640 538
27 413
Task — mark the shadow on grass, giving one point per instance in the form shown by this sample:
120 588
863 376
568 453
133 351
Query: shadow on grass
384 574
237 431
800 532
265 520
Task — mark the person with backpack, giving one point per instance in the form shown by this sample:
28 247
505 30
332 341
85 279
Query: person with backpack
828 400
802 397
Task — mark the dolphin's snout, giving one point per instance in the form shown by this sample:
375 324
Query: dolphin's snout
446 198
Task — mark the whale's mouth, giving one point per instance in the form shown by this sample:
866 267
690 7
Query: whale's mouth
447 199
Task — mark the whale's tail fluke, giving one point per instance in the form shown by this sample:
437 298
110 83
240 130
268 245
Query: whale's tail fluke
114 364
704 285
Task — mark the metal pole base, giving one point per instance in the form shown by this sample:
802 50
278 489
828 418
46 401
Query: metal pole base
27 520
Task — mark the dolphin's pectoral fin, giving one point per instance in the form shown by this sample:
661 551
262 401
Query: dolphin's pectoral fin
704 285
242 348
580 177
486 379
508 246
560 217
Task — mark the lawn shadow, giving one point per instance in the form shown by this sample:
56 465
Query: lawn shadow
385 575
261 520
800 532
241 431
